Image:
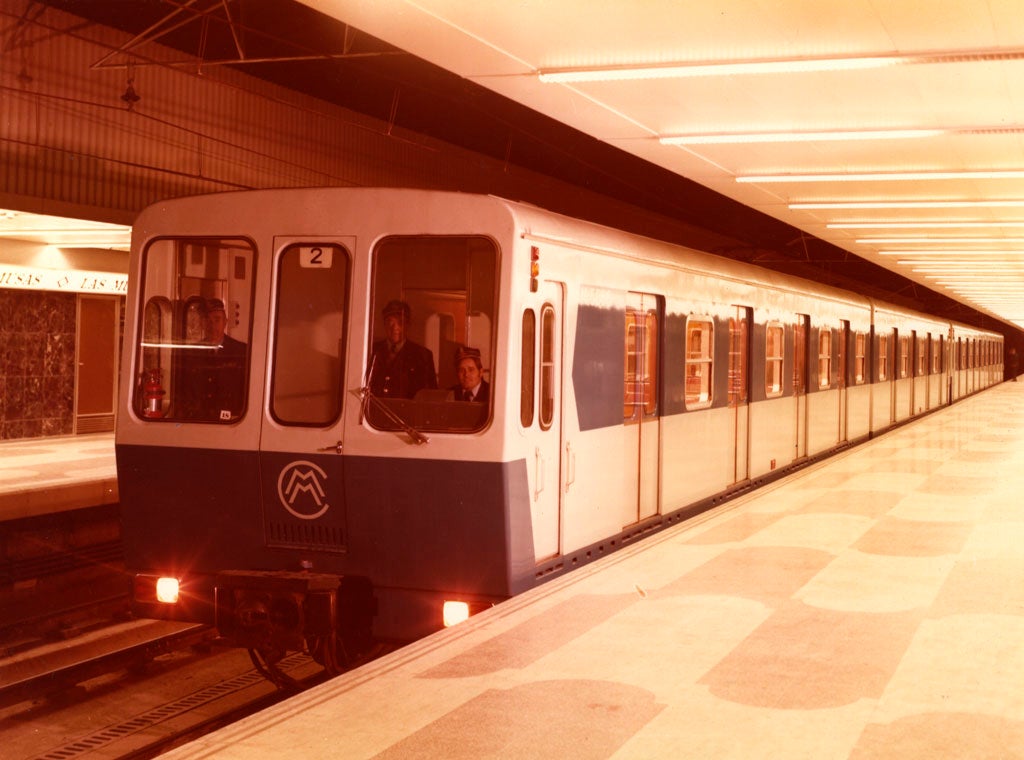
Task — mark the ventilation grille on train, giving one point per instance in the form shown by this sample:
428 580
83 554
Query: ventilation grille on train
94 423
290 534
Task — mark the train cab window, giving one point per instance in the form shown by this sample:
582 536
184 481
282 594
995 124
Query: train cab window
904 356
430 363
860 360
196 320
529 368
773 360
310 315
824 357
700 341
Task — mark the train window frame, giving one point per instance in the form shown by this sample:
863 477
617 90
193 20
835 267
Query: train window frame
444 289
860 358
528 369
699 385
774 360
181 375
921 353
289 367
905 356
824 358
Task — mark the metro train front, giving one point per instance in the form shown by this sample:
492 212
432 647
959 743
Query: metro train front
288 470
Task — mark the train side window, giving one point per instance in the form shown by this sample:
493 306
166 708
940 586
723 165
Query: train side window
922 355
700 341
311 312
883 358
860 360
547 366
904 356
196 323
774 345
824 357
434 304
527 391
738 328
937 355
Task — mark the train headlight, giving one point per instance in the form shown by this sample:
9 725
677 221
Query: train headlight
455 612
167 590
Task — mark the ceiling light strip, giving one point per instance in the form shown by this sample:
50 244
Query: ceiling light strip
937 240
854 205
680 69
916 176
919 225
733 138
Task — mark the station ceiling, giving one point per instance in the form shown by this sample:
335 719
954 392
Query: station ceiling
880 142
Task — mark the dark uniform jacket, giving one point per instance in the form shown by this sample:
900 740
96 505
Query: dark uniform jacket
401 374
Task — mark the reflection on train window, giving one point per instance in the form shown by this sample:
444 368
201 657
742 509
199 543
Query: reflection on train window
309 331
738 359
529 367
699 353
773 359
860 360
824 357
883 358
640 387
547 366
193 356
434 306
904 356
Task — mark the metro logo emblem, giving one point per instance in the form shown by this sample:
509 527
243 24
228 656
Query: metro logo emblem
300 489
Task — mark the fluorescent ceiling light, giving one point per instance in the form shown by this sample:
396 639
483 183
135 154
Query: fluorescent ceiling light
937 240
782 137
917 225
883 176
981 252
676 69
811 206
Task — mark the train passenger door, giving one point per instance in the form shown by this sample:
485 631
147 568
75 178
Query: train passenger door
801 329
739 383
844 337
641 413
542 387
301 470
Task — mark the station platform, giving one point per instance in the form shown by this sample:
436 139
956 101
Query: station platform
869 606
46 475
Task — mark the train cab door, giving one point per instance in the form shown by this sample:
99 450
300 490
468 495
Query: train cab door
541 410
843 356
739 384
301 439
801 331
641 412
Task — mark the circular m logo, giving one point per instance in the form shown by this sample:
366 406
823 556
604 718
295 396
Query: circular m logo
300 488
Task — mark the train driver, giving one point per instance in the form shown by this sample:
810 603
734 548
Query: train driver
471 385
400 367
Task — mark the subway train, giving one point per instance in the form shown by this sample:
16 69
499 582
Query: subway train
298 463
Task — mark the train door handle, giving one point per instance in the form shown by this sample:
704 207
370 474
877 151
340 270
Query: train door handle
336 448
